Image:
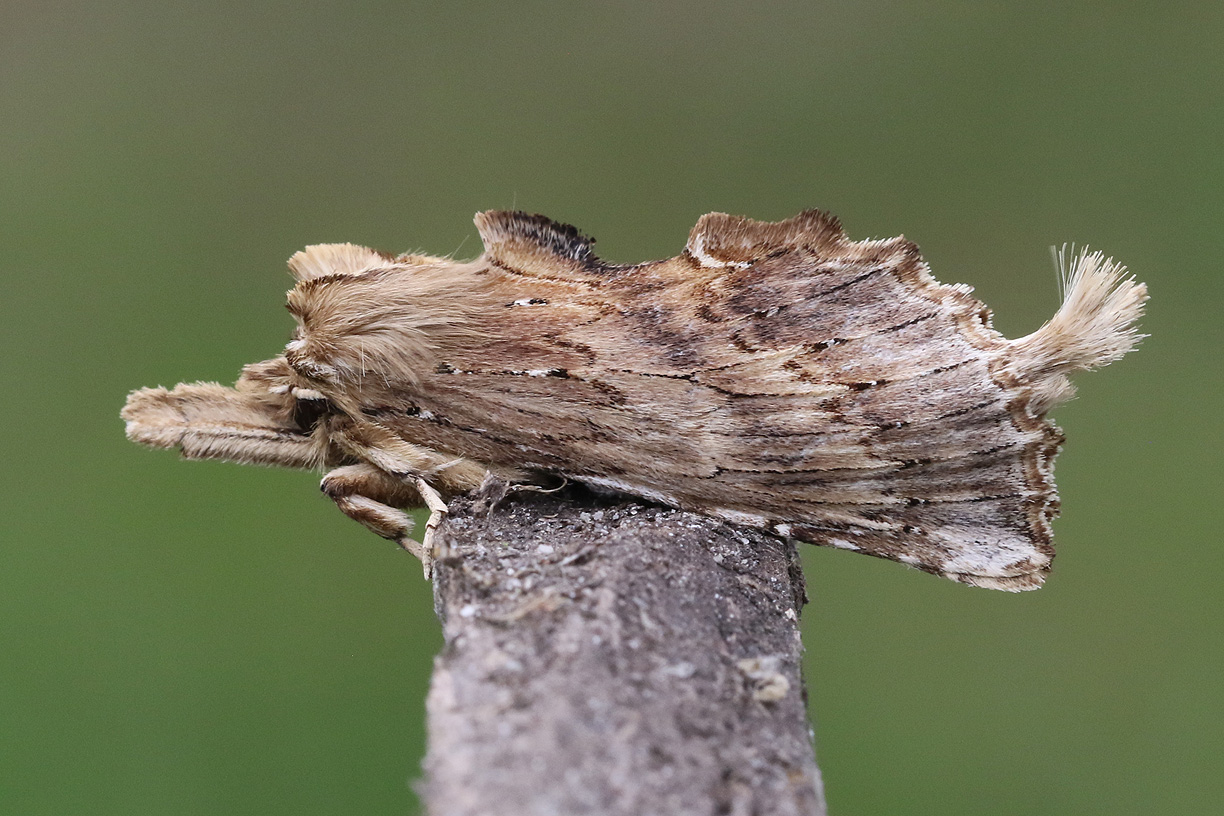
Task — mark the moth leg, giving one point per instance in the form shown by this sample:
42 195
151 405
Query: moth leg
437 509
209 421
368 495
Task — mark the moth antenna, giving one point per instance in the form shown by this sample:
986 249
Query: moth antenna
1095 325
436 469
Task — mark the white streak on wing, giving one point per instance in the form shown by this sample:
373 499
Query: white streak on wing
697 249
618 486
998 563
740 517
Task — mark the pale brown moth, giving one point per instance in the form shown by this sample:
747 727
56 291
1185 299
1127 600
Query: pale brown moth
774 375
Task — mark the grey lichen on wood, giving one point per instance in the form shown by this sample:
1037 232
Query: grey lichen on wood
608 657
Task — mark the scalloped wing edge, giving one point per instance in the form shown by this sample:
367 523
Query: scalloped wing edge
722 240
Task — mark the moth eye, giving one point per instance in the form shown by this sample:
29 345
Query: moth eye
309 407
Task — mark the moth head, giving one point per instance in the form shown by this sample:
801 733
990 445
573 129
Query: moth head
317 299
336 315
360 312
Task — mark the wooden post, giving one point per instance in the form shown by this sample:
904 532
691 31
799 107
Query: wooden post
607 657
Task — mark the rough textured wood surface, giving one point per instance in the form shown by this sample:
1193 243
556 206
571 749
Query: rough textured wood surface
607 657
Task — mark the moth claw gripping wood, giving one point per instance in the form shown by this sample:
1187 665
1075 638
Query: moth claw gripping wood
775 375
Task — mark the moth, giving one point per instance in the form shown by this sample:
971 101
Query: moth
773 375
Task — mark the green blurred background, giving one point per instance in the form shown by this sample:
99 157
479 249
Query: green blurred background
204 639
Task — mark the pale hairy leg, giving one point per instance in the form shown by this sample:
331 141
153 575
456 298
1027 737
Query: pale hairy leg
209 421
437 509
